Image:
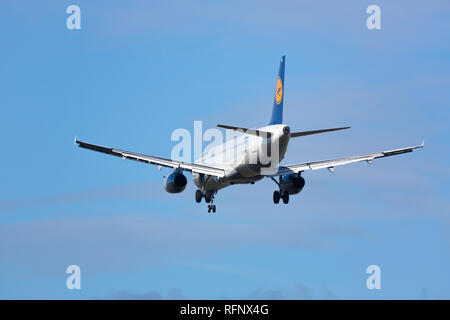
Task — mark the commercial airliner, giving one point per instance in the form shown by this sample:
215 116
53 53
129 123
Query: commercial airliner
256 155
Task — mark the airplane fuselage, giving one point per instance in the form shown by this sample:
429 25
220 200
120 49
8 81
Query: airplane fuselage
244 158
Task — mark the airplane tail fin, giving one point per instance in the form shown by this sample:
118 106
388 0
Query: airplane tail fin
277 111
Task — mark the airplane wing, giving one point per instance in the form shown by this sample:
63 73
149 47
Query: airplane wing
330 164
153 160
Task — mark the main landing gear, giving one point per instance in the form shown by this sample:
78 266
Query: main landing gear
209 198
277 195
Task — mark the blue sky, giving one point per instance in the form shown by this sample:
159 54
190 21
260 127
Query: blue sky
137 70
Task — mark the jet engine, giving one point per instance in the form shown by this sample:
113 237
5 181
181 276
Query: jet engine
292 183
176 182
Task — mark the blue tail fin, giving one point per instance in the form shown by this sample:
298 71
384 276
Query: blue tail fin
277 111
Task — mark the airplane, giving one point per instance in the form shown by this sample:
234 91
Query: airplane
213 172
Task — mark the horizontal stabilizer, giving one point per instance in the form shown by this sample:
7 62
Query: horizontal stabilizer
254 132
307 133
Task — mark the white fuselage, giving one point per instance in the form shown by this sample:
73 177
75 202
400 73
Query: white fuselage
244 158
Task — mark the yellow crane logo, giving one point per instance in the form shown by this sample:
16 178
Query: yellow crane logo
279 91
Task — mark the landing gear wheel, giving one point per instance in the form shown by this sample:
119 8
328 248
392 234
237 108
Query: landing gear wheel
276 197
198 196
208 196
285 197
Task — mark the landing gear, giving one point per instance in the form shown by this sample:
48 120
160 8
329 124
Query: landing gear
209 198
285 197
198 196
209 195
276 197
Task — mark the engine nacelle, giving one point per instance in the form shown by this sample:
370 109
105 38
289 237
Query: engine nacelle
292 183
176 182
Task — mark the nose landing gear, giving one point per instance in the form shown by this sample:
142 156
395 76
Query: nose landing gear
212 207
209 197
